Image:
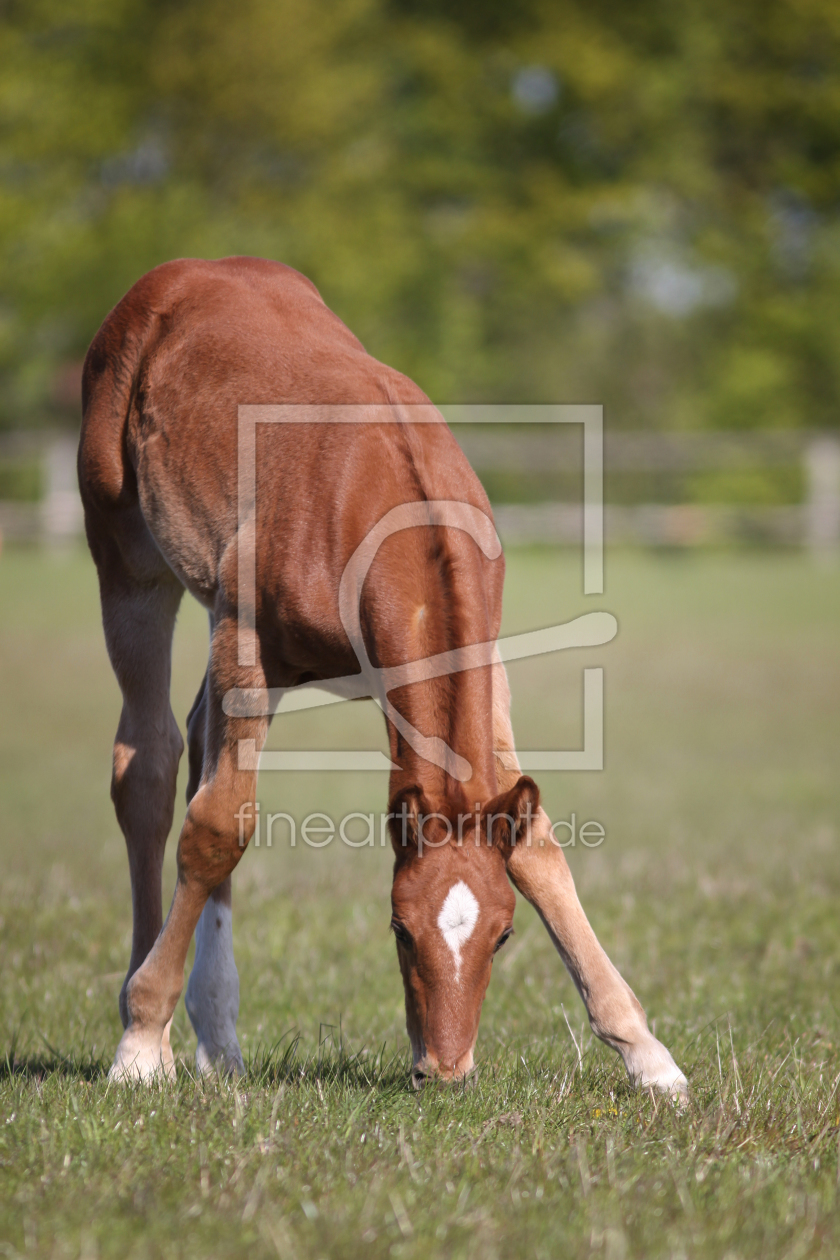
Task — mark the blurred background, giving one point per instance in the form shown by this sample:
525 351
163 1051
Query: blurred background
565 202
542 202
514 202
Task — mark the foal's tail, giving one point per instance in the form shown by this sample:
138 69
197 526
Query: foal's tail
117 532
107 478
112 370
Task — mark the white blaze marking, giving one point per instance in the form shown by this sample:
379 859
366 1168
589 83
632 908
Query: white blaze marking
456 920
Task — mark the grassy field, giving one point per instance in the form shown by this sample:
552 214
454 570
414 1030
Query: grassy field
715 892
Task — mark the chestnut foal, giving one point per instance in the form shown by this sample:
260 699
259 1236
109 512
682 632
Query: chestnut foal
158 473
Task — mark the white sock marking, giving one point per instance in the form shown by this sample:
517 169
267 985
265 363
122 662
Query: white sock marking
456 920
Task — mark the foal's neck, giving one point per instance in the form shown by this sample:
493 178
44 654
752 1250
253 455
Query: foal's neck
456 708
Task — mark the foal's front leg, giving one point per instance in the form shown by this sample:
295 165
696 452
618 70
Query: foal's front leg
210 846
542 875
538 869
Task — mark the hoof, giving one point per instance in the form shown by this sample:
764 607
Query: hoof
143 1057
167 1058
210 1059
654 1069
672 1085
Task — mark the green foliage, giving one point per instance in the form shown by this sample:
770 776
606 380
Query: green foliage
547 201
20 480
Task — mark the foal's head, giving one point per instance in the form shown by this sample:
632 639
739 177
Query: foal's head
452 910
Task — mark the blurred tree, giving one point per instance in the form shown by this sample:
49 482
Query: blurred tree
564 200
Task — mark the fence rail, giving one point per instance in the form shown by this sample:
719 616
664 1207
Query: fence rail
813 523
656 524
554 448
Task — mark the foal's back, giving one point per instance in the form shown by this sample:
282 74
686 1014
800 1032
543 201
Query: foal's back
163 381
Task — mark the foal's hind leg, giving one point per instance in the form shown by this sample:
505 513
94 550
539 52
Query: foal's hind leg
139 620
212 997
213 837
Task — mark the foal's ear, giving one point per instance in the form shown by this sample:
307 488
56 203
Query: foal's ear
404 814
509 815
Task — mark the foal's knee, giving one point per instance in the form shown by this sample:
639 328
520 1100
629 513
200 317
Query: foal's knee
216 832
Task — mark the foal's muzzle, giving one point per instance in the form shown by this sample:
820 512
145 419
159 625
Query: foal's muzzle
421 1076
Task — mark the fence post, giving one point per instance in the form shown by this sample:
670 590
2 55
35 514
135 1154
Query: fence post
822 471
61 508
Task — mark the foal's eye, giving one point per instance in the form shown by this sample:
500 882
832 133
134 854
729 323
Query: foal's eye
504 937
401 932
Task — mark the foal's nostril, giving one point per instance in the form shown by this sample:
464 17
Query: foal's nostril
466 1080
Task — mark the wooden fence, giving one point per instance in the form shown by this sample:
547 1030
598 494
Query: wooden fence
813 522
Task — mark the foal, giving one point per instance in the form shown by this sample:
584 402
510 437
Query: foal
163 381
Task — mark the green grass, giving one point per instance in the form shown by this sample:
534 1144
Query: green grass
715 892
